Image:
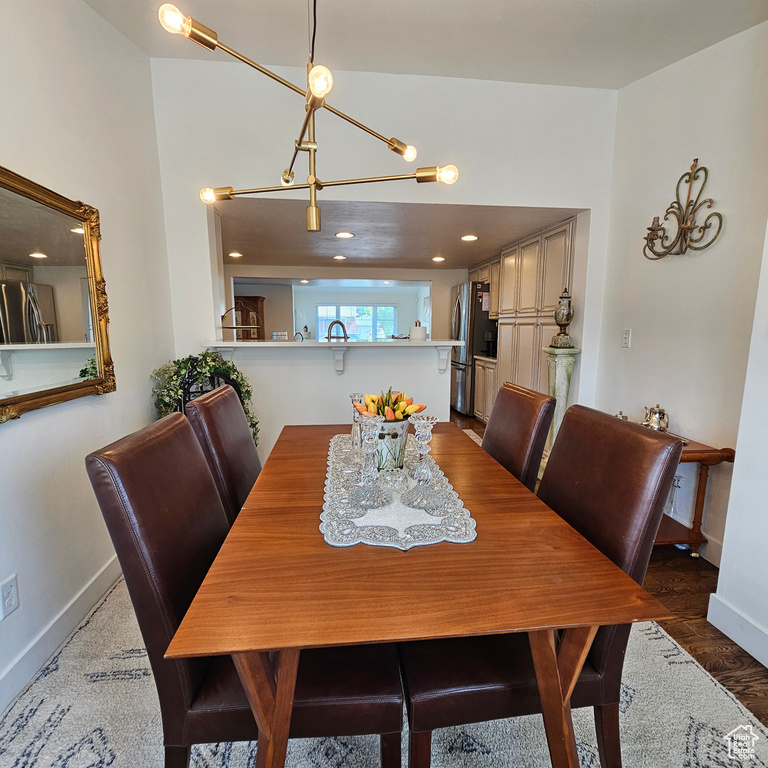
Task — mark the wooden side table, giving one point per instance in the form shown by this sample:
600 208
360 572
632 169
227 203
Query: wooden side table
670 530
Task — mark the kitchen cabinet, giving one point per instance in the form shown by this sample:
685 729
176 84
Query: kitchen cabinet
474 275
484 273
485 387
21 272
508 297
494 269
555 266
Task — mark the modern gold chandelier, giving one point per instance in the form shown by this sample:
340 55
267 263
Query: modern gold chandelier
319 84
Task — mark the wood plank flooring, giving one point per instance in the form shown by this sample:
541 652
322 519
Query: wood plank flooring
683 584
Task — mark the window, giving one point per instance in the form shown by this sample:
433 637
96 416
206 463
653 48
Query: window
367 323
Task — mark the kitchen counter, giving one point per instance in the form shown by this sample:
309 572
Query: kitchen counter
485 359
310 382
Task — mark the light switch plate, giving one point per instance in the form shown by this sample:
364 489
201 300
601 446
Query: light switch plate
626 338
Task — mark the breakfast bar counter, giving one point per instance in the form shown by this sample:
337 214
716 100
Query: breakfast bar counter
310 382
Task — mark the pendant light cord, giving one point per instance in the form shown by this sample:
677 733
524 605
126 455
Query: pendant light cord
312 28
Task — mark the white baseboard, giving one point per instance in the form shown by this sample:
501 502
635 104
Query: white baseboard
22 669
712 551
740 628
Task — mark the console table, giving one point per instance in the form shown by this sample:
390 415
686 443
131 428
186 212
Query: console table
670 530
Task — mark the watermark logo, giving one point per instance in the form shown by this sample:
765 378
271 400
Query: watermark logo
741 742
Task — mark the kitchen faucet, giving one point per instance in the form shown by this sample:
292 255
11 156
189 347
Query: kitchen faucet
337 338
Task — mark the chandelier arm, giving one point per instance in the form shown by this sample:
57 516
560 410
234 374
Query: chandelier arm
300 91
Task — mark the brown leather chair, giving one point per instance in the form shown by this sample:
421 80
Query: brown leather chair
227 442
609 479
167 524
517 431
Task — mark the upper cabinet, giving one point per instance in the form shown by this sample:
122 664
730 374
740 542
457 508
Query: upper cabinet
508 282
555 265
494 278
535 271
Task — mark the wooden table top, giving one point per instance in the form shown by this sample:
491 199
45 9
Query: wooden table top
277 584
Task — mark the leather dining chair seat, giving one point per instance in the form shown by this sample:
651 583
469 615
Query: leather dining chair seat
609 480
225 436
517 431
167 524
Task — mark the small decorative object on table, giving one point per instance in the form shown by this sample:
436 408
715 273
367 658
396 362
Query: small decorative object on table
563 316
422 495
656 418
395 408
623 416
369 495
357 438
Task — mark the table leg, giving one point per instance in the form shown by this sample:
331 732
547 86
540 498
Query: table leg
557 670
270 693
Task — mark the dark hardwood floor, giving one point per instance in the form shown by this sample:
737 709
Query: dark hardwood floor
683 584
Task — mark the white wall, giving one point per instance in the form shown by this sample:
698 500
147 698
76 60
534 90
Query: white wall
690 315
78 118
514 144
740 607
442 280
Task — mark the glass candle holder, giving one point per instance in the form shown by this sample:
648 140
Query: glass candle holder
369 495
422 495
357 437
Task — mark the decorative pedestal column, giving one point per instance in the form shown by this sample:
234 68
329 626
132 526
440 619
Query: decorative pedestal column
560 362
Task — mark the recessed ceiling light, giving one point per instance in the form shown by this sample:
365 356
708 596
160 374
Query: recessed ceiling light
344 235
340 258
438 258
303 282
469 238
78 230
235 254
38 255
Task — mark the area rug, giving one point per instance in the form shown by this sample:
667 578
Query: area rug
94 705
473 435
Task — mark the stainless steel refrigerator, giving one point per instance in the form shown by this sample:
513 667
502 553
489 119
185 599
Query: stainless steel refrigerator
21 321
471 324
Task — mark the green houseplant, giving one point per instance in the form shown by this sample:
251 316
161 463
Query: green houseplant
179 381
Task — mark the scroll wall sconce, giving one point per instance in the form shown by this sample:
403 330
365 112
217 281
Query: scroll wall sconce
319 84
689 234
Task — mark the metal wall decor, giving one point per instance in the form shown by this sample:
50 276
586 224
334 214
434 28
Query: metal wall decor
697 237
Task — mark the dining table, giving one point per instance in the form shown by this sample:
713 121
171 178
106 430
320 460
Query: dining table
276 587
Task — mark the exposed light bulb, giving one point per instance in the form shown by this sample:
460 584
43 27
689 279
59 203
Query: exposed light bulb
207 195
448 174
173 20
410 153
320 81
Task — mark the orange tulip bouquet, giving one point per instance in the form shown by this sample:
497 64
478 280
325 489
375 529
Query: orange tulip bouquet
395 407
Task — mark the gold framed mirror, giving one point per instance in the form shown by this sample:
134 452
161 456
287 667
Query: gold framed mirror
54 315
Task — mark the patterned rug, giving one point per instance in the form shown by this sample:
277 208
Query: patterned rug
94 705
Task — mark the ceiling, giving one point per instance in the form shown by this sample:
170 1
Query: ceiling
590 43
27 226
396 235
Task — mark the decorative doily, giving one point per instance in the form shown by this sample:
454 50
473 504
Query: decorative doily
395 525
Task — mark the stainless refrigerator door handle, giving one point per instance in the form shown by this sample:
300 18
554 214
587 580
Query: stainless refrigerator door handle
454 324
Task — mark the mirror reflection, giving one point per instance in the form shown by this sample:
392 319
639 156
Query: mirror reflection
51 349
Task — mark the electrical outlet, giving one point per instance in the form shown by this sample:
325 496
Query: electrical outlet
9 596
626 338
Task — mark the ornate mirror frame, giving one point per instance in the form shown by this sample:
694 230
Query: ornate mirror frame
14 406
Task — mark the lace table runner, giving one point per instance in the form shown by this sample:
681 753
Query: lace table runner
395 525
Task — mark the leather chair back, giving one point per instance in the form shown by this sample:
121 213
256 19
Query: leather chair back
517 431
221 427
609 480
167 523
